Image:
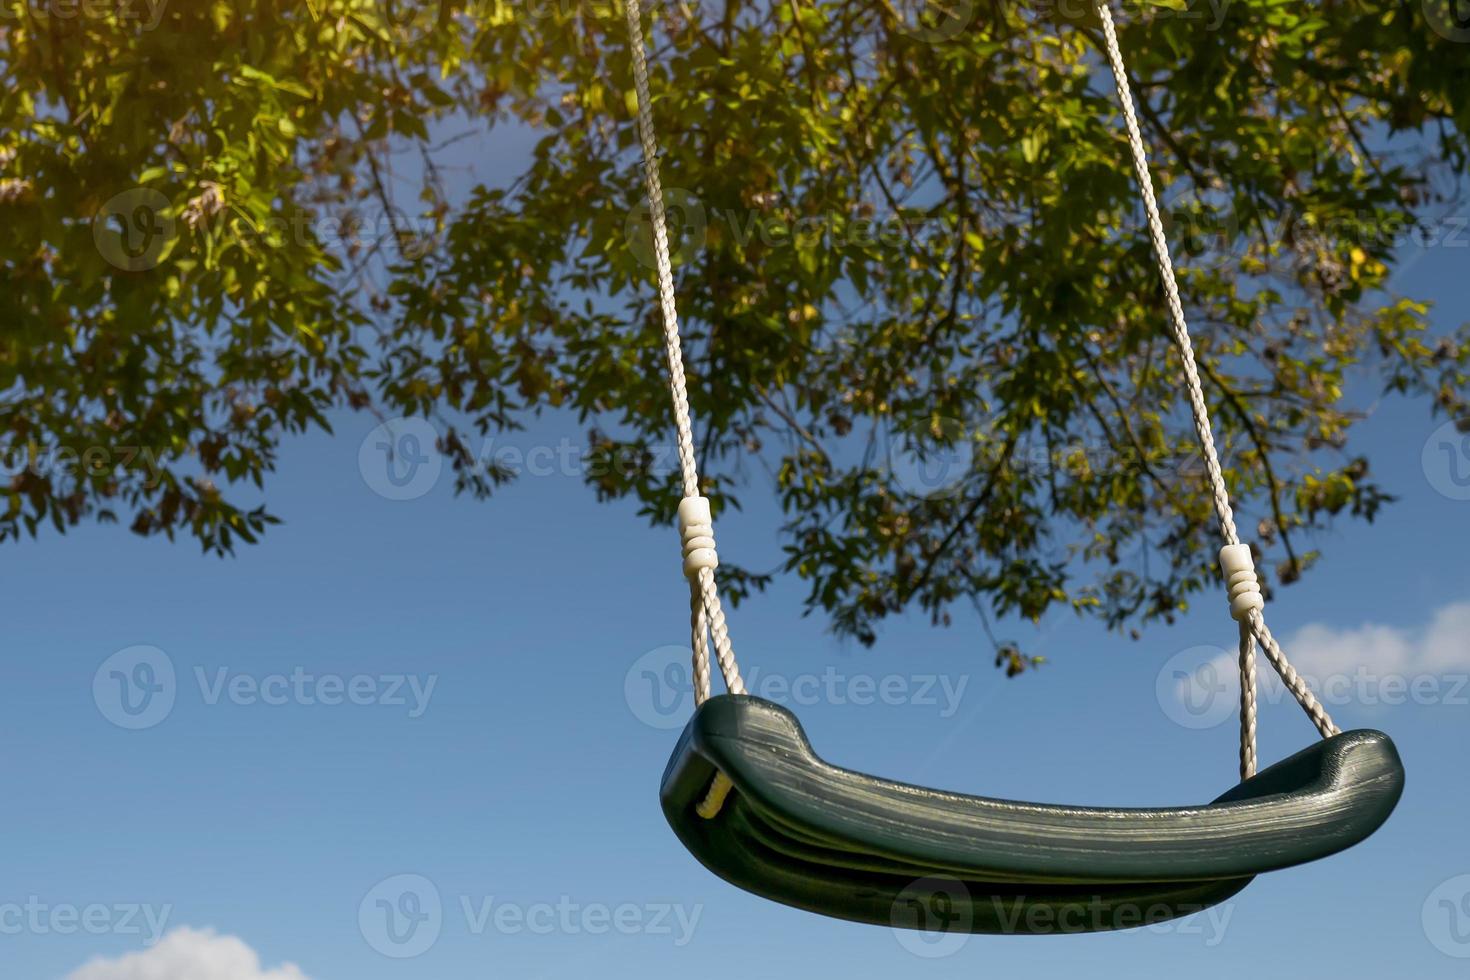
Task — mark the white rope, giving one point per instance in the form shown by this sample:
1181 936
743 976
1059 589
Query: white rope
700 647
704 594
1247 702
707 614
1247 612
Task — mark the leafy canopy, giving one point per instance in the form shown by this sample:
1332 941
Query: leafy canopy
914 280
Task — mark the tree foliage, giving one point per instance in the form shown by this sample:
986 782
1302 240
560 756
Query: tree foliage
909 236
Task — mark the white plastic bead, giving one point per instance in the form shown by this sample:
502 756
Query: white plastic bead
694 510
1240 578
700 558
696 530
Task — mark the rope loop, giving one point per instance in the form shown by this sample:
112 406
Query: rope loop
696 528
1246 602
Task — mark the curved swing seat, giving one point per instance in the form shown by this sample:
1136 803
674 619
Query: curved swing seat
800 831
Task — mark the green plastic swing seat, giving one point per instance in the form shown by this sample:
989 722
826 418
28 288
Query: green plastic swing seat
799 831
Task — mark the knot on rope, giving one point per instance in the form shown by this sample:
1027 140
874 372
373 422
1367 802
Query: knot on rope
1240 578
697 530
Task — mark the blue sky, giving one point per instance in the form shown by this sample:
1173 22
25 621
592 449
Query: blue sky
445 706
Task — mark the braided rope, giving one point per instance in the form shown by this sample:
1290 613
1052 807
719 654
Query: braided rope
1247 702
700 647
1253 625
1291 678
703 591
707 612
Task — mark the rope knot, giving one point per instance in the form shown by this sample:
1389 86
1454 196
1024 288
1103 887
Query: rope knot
1240 578
697 530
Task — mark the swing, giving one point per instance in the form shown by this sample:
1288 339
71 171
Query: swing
745 793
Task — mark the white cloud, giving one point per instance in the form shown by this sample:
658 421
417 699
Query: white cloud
1369 665
189 954
1442 646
